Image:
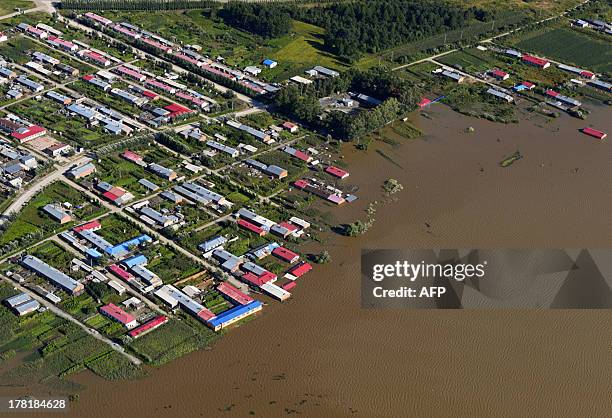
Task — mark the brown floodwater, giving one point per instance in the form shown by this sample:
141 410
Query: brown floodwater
321 355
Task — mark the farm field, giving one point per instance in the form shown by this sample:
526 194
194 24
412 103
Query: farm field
571 47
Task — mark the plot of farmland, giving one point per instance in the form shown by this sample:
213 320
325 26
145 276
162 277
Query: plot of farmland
571 47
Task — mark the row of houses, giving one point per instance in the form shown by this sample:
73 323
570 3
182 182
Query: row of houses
16 166
184 55
22 304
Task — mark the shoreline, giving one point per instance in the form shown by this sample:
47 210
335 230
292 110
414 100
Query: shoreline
314 354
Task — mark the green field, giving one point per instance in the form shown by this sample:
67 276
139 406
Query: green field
172 340
32 222
8 6
53 348
571 47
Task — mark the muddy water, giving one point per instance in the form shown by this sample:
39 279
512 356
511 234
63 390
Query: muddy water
321 355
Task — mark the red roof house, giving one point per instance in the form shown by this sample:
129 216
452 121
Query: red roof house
535 61
251 227
89 226
114 312
299 269
337 172
28 133
285 254
300 184
594 133
120 272
499 75
291 127
132 156
206 315
149 326
424 102
234 294
177 110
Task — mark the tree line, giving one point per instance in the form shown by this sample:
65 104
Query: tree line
136 4
268 22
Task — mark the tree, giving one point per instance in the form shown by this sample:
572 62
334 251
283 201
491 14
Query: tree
97 290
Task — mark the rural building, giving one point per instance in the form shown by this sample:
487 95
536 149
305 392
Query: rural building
148 326
500 94
535 61
499 74
58 97
235 314
453 76
22 304
602 85
212 244
269 63
57 213
148 184
232 152
318 70
114 312
53 275
565 99
82 171
58 149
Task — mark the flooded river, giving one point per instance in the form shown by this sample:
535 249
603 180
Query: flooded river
321 355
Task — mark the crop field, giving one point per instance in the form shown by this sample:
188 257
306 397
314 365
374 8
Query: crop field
172 340
32 220
299 51
571 47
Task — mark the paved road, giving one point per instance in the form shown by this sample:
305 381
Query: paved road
40 6
57 311
25 195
